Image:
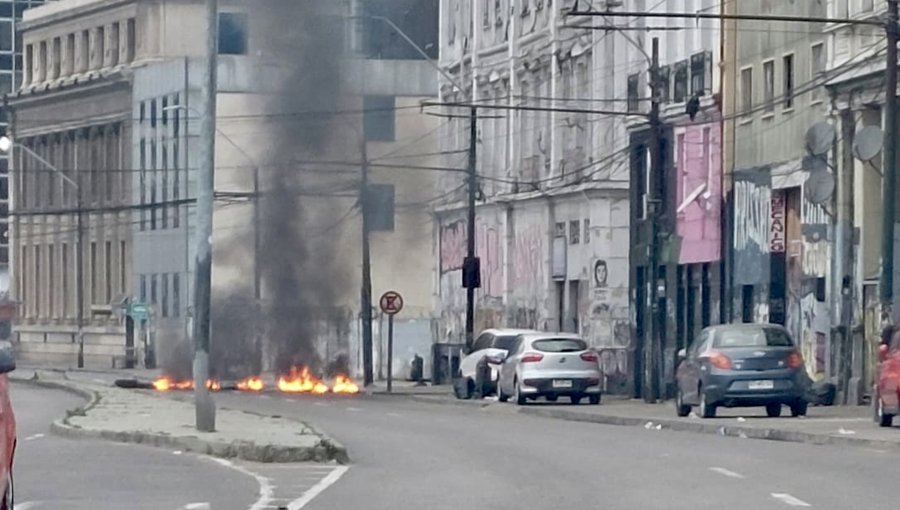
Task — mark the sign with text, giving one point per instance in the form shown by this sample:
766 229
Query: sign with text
776 224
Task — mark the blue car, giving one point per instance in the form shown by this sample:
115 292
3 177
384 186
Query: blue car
741 365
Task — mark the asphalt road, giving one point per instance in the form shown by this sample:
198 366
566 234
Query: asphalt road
413 455
53 473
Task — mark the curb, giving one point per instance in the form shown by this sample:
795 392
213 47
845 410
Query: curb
326 450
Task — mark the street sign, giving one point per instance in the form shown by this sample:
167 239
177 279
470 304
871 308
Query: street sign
139 311
391 302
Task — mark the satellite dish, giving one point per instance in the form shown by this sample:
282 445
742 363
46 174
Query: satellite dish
814 164
819 138
867 143
819 187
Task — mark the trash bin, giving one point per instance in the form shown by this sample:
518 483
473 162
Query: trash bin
445 362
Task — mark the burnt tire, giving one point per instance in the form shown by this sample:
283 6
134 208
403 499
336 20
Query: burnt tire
774 410
681 409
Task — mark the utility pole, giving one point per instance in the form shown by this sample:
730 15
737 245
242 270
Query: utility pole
79 263
257 269
205 408
366 291
890 168
472 269
651 342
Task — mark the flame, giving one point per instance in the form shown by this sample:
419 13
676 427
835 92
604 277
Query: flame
301 381
343 384
165 384
251 384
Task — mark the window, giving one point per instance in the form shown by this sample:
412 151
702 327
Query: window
42 61
6 36
788 81
143 288
38 282
381 207
232 33
130 38
633 85
70 54
559 345
114 44
64 255
663 84
817 67
108 265
483 342
100 50
378 118
29 63
85 51
143 178
701 77
505 342
153 289
753 337
51 263
587 231
176 295
164 301
574 232
769 84
94 290
747 91
680 88
57 58
123 268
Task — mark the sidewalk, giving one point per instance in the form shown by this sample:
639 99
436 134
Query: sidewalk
139 416
848 425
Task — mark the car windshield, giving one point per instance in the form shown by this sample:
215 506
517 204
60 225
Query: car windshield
762 337
559 345
505 342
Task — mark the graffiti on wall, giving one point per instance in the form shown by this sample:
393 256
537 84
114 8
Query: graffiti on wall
816 248
752 232
699 200
528 256
488 246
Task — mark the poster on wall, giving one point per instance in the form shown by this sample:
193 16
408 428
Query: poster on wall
599 279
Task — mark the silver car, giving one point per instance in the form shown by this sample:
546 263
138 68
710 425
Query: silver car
549 365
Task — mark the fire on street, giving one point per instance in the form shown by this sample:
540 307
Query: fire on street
298 380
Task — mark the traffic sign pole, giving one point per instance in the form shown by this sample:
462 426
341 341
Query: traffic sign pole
390 360
391 303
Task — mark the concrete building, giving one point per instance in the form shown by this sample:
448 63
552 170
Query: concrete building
689 185
553 208
780 250
140 62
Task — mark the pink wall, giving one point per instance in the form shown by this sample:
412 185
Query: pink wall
698 199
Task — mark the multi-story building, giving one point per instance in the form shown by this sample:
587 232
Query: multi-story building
121 82
552 227
780 251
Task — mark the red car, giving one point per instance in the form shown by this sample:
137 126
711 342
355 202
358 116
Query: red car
887 386
7 427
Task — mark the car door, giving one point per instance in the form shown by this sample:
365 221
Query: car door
469 364
689 371
508 368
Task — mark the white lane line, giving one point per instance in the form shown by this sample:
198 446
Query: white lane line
265 397
318 488
33 437
395 415
266 489
726 472
28 505
790 500
197 506
354 409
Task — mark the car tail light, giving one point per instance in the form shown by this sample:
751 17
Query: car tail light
719 360
532 357
795 360
590 357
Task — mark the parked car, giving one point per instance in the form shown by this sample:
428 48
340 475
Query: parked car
549 365
741 365
479 369
7 428
887 385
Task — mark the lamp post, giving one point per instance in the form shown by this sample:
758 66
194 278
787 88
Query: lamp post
6 145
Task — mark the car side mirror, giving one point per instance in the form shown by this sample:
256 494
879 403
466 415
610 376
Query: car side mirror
7 358
682 353
496 359
883 352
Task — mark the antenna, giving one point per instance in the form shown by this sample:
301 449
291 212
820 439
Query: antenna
819 138
867 143
819 186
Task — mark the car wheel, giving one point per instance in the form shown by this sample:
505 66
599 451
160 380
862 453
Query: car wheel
576 399
9 496
520 398
680 408
884 420
594 399
799 408
707 410
774 410
552 398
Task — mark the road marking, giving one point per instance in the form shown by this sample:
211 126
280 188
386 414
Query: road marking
266 489
100 381
27 505
790 500
318 488
395 415
321 404
34 436
197 506
726 472
265 397
354 409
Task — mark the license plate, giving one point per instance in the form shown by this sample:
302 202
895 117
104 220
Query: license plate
761 385
562 383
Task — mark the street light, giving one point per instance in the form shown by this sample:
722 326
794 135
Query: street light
6 145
